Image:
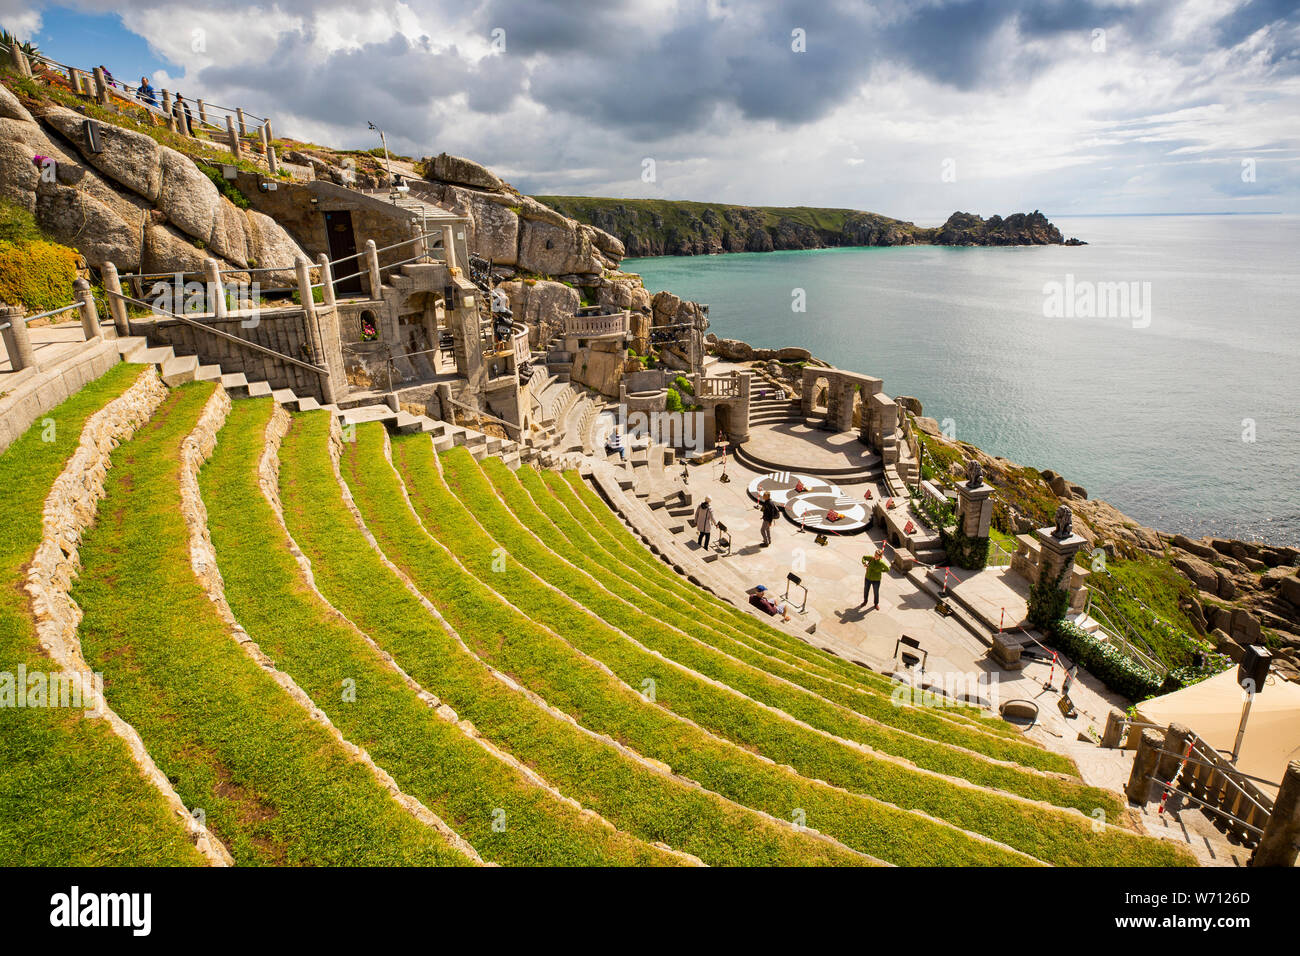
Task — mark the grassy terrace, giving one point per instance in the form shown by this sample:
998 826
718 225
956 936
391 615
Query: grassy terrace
1054 837
591 512
356 581
566 536
713 624
548 664
430 759
276 788
70 794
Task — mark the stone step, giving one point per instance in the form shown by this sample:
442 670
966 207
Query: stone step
179 369
131 346
207 373
259 389
235 383
154 356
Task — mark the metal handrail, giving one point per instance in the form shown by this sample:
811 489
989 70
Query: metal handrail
1108 611
52 312
224 335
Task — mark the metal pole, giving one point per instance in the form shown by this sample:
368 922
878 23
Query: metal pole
1241 729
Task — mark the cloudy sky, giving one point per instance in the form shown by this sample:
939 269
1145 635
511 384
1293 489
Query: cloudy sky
912 108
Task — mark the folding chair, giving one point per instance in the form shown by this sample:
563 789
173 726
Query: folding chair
795 580
724 539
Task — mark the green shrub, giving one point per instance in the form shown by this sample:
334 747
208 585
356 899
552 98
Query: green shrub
225 186
673 400
683 385
17 224
37 274
1104 661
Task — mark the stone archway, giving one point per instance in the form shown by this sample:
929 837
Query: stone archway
722 421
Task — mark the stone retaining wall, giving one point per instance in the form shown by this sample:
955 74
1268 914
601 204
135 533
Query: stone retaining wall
70 509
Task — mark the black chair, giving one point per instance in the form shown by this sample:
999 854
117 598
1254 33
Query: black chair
796 581
724 539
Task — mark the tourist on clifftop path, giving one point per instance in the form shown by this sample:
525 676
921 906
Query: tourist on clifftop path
704 522
770 511
875 569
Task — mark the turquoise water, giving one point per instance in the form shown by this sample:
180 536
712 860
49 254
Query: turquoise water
1147 410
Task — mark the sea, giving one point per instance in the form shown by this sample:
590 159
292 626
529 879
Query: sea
1158 366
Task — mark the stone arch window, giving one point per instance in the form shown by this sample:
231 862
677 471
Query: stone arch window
368 325
821 394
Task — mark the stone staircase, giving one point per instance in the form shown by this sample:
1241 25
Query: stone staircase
178 369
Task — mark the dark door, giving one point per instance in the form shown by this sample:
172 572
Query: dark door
343 243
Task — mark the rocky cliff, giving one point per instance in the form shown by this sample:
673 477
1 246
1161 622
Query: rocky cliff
656 227
135 202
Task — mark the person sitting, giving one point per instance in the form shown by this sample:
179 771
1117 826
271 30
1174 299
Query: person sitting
759 599
146 93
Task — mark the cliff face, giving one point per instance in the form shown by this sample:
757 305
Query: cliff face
656 227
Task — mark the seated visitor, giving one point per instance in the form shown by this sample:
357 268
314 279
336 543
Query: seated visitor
760 599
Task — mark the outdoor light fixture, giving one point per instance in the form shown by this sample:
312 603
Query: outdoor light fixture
92 136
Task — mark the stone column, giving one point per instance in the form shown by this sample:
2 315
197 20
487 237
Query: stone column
327 278
116 306
974 509
739 418
18 340
216 291
89 314
19 58
1175 746
1113 736
1280 844
1055 554
1144 764
75 80
270 134
449 245
266 143
372 267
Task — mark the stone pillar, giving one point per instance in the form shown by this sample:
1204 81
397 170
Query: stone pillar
1144 764
243 126
1175 746
303 268
1280 844
266 143
101 86
327 278
231 137
89 314
21 66
1055 554
372 267
739 417
116 306
203 113
449 245
974 509
18 341
1113 736
216 291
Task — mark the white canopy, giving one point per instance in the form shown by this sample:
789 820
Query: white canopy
1212 709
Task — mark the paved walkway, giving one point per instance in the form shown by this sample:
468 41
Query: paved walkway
50 343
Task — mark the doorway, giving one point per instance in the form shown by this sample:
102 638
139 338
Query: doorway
343 244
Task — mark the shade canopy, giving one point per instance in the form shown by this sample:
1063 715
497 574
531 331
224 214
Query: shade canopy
1212 709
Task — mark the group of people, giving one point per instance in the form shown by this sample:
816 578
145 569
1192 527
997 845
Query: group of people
180 109
874 565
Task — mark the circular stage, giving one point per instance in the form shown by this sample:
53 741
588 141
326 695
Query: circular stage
812 511
784 485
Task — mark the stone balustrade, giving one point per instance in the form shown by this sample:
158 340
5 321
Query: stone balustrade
610 323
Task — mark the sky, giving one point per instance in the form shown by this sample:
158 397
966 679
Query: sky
911 108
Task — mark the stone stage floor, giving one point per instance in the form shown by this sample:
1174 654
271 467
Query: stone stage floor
802 446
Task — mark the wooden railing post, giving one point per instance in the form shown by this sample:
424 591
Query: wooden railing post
216 291
116 307
243 126
372 265
18 341
74 80
89 313
272 163
203 113
232 137
101 86
1144 765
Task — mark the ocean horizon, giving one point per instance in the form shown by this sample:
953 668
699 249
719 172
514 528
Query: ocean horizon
1178 406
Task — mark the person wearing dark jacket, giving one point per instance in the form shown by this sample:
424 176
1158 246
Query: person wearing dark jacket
770 511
